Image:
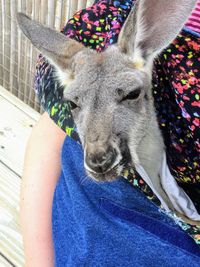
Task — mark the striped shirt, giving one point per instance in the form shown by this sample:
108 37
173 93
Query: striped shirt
193 22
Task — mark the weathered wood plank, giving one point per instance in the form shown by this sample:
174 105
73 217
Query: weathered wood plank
19 104
17 120
10 236
15 128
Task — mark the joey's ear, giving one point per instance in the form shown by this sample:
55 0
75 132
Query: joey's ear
151 26
59 49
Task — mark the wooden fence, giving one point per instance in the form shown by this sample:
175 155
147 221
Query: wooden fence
17 55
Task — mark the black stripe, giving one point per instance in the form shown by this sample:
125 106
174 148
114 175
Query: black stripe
10 169
5 258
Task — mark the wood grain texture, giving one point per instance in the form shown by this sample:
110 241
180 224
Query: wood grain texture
15 128
10 236
19 104
15 121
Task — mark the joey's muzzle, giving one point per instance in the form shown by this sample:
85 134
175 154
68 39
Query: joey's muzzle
101 161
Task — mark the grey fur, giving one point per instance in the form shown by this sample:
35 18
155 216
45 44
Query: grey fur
59 49
101 82
152 24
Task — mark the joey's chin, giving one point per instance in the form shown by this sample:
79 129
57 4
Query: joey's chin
109 176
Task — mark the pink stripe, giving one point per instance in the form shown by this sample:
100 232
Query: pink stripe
194 29
197 29
193 22
196 12
197 9
196 16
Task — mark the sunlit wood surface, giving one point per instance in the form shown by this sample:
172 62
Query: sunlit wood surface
16 122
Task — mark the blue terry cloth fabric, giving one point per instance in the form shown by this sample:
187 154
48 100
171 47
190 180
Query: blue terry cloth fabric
111 224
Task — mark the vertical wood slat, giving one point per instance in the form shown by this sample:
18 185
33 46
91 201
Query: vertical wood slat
81 4
1 44
6 52
18 41
73 7
51 13
30 97
22 57
13 49
17 56
89 2
58 15
27 74
43 15
65 13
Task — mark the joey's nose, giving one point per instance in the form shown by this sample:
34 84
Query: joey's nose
101 161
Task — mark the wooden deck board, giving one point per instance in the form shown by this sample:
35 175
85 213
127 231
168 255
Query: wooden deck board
16 122
15 128
19 104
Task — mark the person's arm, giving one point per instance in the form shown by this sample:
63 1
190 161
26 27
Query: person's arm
42 167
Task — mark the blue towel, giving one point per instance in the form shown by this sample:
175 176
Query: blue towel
111 224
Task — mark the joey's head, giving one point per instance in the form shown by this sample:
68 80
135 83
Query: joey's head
111 105
110 92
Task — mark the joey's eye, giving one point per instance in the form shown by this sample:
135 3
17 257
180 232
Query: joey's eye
72 105
132 95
